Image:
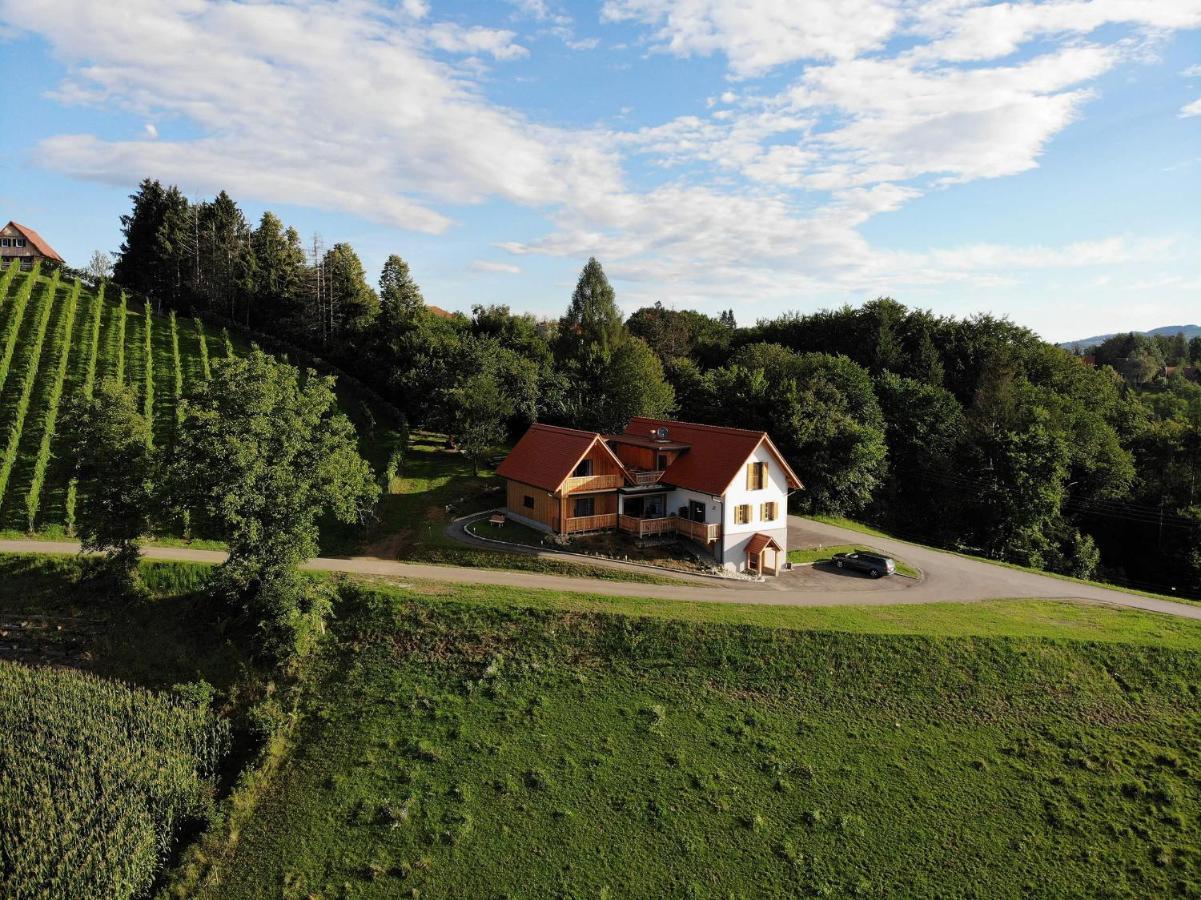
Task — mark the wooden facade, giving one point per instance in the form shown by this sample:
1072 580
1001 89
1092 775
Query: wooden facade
532 503
645 459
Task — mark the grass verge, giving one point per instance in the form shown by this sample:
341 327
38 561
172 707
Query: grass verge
449 748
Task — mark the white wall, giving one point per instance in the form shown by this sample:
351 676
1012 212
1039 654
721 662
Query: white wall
735 537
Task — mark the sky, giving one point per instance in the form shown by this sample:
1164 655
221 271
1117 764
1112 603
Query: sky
1040 161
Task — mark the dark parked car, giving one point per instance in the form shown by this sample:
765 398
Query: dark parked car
871 563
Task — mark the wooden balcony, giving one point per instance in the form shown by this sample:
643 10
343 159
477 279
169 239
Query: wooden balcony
701 532
577 483
579 524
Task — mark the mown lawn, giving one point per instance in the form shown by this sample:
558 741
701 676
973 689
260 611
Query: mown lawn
456 745
824 554
438 485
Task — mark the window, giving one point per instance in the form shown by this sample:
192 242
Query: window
20 242
661 462
756 476
767 511
527 501
584 506
5 242
583 470
742 514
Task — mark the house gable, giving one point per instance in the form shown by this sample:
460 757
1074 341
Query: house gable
31 243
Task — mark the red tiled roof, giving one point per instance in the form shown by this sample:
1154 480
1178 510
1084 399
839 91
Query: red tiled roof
546 454
439 312
39 244
759 542
716 455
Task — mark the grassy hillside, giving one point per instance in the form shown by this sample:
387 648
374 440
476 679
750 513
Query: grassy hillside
454 749
57 340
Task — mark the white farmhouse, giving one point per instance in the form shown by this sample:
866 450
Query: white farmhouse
724 488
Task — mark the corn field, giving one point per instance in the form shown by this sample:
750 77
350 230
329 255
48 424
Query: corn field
96 781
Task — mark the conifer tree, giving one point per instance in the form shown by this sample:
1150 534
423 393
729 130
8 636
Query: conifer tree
592 321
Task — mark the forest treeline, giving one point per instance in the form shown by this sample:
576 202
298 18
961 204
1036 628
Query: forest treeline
968 433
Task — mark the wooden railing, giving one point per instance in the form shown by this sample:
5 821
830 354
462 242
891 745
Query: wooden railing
590 523
702 532
647 477
592 483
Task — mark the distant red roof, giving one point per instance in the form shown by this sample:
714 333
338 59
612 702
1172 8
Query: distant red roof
36 241
439 312
716 455
546 454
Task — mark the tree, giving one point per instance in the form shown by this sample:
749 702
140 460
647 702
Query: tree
727 319
100 266
592 321
481 407
263 453
631 384
117 464
137 261
353 305
279 271
399 296
822 413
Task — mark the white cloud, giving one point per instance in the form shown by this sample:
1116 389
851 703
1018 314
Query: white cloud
486 265
757 35
150 130
761 198
1191 109
1192 72
347 112
454 38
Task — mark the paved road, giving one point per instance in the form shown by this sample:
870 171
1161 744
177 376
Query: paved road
947 577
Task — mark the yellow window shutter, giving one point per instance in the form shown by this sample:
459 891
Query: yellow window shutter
750 476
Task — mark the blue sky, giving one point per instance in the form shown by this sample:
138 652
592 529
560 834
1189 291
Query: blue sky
1035 160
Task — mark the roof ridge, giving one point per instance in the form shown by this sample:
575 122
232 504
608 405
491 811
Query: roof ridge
726 428
548 427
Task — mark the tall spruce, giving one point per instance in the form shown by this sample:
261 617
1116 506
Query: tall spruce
400 297
592 321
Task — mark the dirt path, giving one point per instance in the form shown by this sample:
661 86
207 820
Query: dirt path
947 578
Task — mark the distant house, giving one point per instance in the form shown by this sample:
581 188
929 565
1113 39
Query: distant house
1189 373
22 243
724 488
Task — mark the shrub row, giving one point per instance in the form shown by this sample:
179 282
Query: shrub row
33 498
148 395
15 319
122 315
89 388
31 376
204 348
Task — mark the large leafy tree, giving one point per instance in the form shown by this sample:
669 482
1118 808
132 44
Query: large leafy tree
263 453
822 413
119 469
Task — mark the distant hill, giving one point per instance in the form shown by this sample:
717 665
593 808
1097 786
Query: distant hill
1189 331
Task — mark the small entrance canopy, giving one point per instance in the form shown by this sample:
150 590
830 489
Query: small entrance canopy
763 554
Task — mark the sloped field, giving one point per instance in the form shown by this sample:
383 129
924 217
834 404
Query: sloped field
57 340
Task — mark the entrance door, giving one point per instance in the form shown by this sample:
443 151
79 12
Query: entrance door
696 511
583 506
655 507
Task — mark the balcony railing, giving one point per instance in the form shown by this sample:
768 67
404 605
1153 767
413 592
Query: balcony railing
577 483
647 477
577 524
702 532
